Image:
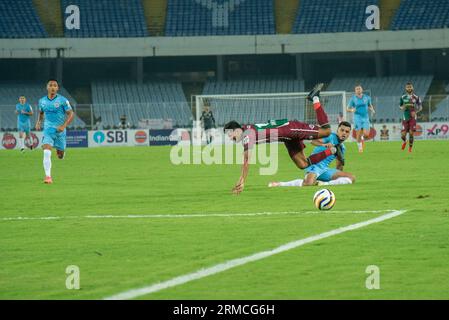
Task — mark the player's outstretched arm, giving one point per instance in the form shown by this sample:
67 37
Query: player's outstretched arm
245 168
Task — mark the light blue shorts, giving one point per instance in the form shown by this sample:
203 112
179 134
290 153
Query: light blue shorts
361 123
24 126
54 138
323 174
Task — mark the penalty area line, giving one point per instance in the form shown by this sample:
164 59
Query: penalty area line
188 215
202 273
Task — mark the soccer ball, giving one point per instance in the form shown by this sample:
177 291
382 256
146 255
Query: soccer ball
324 199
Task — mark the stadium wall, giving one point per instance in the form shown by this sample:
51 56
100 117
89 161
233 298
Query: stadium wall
145 137
224 45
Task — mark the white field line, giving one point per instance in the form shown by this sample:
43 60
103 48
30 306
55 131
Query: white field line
134 293
196 215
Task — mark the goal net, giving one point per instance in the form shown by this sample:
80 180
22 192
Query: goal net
260 108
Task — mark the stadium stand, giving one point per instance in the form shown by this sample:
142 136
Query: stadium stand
251 110
418 14
18 19
321 16
219 17
441 112
9 94
108 18
160 100
385 92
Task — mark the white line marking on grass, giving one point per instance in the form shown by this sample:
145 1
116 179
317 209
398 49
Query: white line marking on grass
195 215
134 293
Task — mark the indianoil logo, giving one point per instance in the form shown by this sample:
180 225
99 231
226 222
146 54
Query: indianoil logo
141 136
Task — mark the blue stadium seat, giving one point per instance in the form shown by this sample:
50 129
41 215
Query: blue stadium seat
108 18
158 100
418 14
327 16
219 17
18 19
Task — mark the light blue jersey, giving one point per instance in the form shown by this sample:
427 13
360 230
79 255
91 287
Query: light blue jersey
54 110
361 116
55 115
321 169
23 120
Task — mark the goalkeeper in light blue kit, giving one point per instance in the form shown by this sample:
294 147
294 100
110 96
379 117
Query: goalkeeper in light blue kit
24 112
58 114
360 104
321 173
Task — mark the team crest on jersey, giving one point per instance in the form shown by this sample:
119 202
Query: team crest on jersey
57 105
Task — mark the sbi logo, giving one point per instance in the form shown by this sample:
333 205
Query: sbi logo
111 137
99 137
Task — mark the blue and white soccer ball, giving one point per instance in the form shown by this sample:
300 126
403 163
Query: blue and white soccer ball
324 199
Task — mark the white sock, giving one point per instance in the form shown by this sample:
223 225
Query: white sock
343 180
21 143
294 183
47 163
359 144
316 99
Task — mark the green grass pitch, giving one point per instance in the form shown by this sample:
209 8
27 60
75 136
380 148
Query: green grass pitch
118 254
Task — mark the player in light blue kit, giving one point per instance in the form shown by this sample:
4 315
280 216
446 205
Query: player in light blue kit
24 112
58 114
360 104
321 173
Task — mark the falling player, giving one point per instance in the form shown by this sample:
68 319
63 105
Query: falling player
320 173
58 115
24 113
359 104
292 133
411 104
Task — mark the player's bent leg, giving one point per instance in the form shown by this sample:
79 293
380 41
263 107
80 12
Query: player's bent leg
300 160
342 174
310 180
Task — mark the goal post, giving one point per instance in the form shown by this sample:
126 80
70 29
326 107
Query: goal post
262 107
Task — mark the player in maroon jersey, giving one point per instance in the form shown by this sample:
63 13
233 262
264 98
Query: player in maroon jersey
292 133
411 104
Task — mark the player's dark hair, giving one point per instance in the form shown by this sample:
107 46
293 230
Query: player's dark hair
409 84
344 123
358 85
232 125
53 79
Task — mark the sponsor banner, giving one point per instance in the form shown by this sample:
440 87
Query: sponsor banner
424 131
436 130
10 140
163 137
140 137
77 138
109 138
